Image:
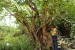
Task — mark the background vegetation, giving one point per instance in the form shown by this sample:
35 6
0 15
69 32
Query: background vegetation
31 16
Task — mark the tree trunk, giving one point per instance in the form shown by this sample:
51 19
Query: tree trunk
45 39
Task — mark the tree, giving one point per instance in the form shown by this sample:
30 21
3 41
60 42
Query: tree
37 15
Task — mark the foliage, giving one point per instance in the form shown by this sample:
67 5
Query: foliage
34 15
18 42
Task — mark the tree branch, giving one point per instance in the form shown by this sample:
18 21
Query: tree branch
33 7
50 17
20 19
